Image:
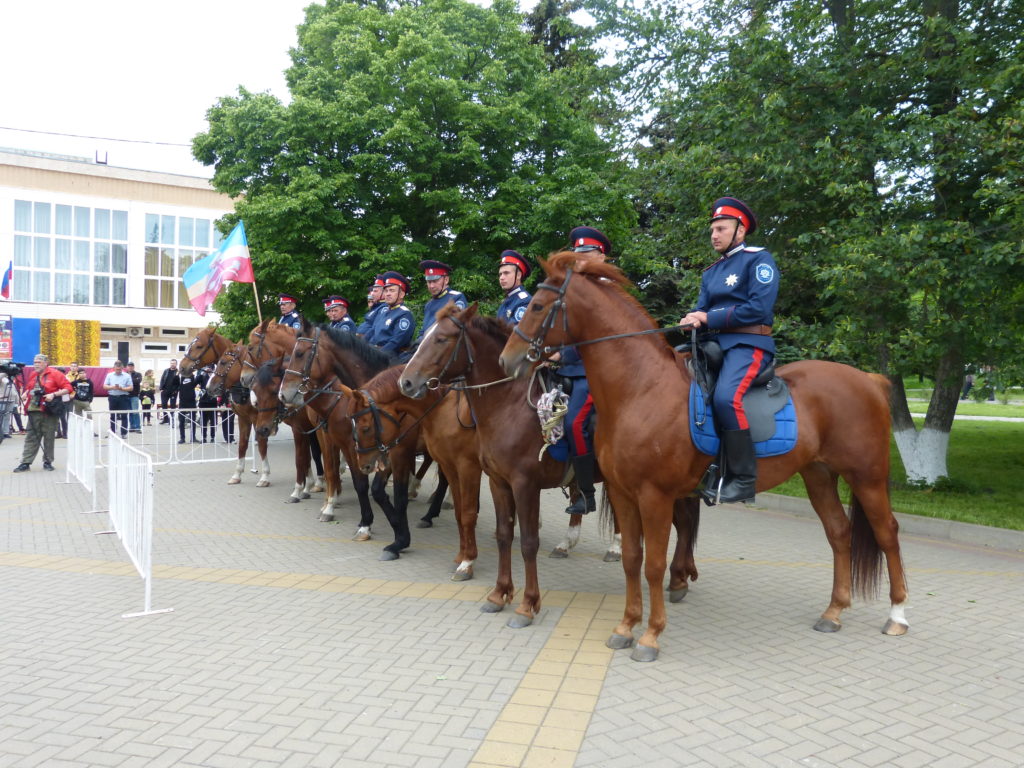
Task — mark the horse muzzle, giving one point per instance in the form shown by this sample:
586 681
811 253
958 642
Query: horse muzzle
414 386
515 363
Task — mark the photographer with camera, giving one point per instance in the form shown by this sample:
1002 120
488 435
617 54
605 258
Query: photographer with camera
44 402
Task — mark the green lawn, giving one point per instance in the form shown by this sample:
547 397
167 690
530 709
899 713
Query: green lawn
971 408
986 483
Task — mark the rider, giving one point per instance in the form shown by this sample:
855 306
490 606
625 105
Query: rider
737 298
373 305
336 308
289 316
512 270
579 417
437 274
394 326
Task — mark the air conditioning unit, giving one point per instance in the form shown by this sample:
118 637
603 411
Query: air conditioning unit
134 332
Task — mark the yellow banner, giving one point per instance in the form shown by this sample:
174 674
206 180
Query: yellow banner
70 341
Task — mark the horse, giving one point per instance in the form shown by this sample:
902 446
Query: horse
384 421
207 347
464 344
842 412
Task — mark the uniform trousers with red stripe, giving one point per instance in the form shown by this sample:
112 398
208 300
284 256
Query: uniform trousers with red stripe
742 364
579 418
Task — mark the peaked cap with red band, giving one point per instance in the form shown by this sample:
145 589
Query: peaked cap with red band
396 278
588 239
516 260
734 208
286 297
434 269
378 282
335 301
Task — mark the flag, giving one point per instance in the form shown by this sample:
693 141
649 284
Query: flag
204 279
5 288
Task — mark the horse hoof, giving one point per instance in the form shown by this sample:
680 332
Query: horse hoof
612 557
677 595
263 484
894 628
234 481
316 488
387 555
424 523
291 500
489 607
618 642
363 534
447 505
518 621
644 653
303 495
560 554
465 575
326 519
827 625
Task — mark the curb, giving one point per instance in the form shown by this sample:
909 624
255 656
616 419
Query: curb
915 525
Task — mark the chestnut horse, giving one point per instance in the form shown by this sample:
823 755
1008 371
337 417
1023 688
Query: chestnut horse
210 347
463 344
842 413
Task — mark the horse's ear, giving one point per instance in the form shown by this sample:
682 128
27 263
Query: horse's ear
349 393
470 311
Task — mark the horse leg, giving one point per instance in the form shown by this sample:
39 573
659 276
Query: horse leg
656 519
434 510
361 485
261 449
504 513
417 478
332 477
244 428
823 492
302 464
317 454
527 498
685 518
570 540
466 492
398 514
632 558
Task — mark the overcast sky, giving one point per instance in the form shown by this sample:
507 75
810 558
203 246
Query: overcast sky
132 69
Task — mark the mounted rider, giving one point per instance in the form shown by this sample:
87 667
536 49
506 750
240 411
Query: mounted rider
374 305
580 415
737 299
338 317
394 327
289 315
512 270
437 275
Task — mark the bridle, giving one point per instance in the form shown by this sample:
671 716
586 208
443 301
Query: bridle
375 410
305 376
209 344
462 341
220 373
257 354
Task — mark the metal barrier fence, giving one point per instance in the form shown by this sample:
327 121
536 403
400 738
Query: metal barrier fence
81 457
130 497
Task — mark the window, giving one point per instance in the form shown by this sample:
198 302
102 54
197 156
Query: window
70 254
152 347
173 244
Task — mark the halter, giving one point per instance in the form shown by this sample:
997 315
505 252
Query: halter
537 348
257 353
209 344
218 373
304 387
463 340
376 411
308 365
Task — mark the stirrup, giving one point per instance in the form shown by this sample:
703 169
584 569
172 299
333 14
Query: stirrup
711 486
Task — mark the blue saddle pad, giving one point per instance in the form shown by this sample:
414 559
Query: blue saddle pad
560 450
706 440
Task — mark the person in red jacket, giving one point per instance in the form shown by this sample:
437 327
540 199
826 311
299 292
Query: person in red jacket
43 398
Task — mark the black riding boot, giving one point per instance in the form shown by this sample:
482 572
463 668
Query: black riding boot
584 466
740 467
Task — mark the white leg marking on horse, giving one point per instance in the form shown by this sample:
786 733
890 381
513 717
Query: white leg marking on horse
297 491
464 566
897 613
616 546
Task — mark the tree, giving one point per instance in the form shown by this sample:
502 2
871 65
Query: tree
433 129
880 143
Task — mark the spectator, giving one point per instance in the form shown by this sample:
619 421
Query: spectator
207 405
119 394
227 418
147 394
83 389
169 391
186 405
135 419
43 401
968 386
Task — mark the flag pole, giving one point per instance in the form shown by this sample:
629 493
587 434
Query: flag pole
259 314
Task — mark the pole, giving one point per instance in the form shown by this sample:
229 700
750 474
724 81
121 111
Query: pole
259 314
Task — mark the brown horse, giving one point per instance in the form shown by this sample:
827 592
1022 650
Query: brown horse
463 344
385 421
207 347
843 417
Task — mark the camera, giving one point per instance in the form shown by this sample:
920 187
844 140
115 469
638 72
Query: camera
11 368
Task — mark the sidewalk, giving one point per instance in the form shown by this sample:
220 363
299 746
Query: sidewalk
291 645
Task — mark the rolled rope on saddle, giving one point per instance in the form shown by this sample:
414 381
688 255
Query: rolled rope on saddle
551 409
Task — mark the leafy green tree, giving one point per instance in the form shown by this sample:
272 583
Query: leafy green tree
433 129
881 145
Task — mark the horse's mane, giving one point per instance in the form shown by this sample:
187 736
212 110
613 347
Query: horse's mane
375 357
497 329
268 371
386 379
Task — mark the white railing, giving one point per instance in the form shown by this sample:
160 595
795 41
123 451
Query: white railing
130 496
81 458
162 440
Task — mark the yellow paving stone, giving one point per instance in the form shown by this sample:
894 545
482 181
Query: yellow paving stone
567 719
542 757
582 685
501 753
596 646
579 612
523 713
555 598
512 733
532 696
541 682
471 593
594 658
288 581
562 644
559 738
588 599
547 653
580 702
569 633
588 671
549 668
571 621
416 590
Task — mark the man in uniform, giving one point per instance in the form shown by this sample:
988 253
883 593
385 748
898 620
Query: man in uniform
737 299
374 304
336 308
579 416
512 270
437 275
289 315
394 327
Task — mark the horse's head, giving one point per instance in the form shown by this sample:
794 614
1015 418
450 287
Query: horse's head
444 353
306 369
202 350
376 425
254 354
263 397
227 366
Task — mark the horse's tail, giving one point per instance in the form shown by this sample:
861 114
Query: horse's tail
606 520
865 554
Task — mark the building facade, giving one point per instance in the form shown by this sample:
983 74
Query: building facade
97 243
